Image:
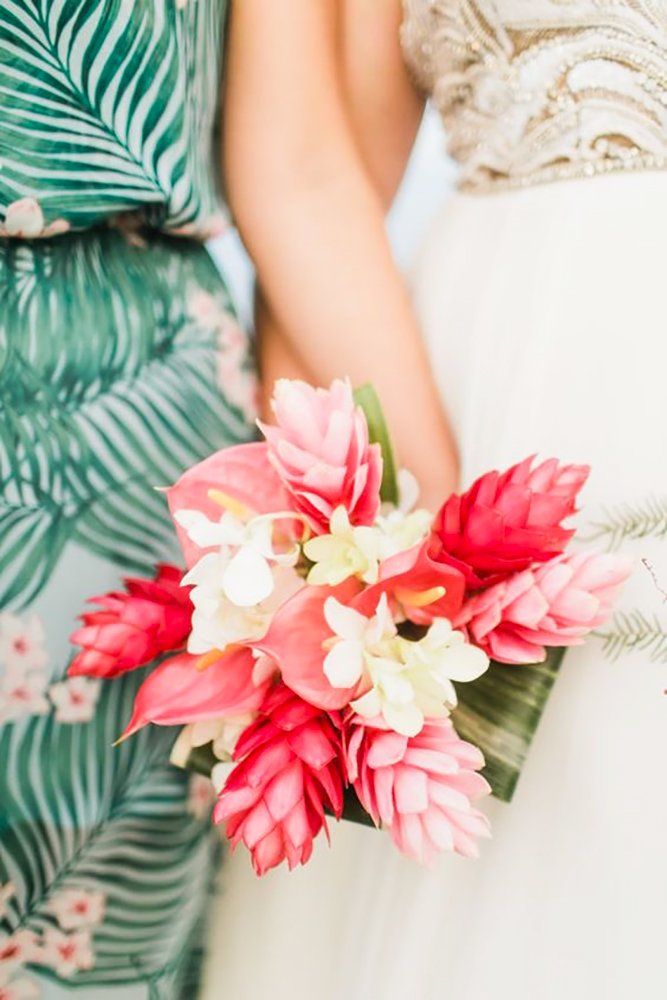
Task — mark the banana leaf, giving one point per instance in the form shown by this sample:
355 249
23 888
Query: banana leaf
500 712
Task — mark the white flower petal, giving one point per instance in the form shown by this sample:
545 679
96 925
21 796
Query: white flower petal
396 688
369 705
462 662
247 579
404 719
343 621
344 664
408 490
339 523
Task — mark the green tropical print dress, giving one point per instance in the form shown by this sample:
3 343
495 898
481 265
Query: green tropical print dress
121 364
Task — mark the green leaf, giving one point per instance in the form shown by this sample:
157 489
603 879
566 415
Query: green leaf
79 813
367 398
500 713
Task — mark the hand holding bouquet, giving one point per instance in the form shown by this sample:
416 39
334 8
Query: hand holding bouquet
316 642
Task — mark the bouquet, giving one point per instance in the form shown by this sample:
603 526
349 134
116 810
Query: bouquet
328 635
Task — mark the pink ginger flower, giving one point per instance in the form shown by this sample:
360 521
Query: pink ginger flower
507 521
290 770
131 628
420 788
554 604
321 451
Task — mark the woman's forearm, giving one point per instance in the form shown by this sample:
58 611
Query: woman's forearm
314 225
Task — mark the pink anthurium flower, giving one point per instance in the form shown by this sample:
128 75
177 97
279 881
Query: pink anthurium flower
189 688
297 640
242 478
424 588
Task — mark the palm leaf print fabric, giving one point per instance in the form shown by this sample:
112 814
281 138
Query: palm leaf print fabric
121 364
124 92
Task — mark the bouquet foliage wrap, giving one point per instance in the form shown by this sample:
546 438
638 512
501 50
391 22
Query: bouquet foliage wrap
333 650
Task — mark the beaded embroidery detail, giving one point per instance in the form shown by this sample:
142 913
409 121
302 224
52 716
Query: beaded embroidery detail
539 90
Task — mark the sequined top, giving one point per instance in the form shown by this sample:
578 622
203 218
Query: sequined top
538 90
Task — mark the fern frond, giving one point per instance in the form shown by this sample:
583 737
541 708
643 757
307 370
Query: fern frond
646 519
633 630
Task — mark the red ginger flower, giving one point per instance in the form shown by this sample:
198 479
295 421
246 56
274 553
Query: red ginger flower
132 628
290 770
507 521
555 604
421 788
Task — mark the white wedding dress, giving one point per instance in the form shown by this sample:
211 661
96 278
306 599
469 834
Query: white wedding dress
541 289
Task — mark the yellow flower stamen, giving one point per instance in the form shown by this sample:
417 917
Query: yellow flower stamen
230 504
212 657
420 598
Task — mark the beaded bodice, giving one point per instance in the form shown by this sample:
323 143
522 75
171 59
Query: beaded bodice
537 90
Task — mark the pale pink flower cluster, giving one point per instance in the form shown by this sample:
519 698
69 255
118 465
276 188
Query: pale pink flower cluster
65 948
24 681
23 660
236 374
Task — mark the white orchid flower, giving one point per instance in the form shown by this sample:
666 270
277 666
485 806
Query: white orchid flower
246 553
216 621
409 680
356 636
347 551
401 526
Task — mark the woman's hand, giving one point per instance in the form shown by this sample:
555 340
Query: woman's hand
314 224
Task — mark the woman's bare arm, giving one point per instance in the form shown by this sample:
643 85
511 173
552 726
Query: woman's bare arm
314 223
383 105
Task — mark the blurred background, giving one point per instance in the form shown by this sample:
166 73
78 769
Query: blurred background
428 180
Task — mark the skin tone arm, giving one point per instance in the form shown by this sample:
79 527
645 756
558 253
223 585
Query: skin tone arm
314 224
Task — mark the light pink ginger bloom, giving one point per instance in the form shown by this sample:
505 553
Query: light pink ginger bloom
75 699
77 908
320 448
289 771
554 604
420 788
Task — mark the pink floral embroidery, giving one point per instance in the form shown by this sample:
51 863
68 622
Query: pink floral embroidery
17 950
237 380
23 695
67 953
21 988
201 796
24 219
75 699
22 643
75 909
7 892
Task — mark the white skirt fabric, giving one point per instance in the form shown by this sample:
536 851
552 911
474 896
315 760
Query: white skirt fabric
544 314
